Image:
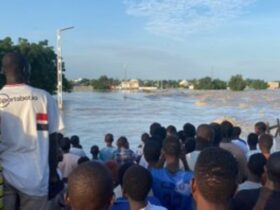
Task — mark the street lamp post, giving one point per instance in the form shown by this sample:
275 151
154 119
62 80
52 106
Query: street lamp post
59 66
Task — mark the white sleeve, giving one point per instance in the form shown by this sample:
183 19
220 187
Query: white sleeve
54 116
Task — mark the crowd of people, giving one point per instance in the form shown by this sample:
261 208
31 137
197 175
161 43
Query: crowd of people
208 167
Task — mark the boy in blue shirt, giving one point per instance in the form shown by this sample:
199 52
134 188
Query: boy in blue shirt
171 185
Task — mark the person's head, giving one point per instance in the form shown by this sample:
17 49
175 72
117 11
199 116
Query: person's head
215 177
171 130
181 136
145 137
153 128
75 141
152 151
189 130
15 68
90 187
190 145
252 141
273 168
256 165
260 128
83 160
217 133
122 169
265 143
94 150
206 132
137 182
113 168
65 144
226 130
160 132
122 142
236 132
171 148
109 139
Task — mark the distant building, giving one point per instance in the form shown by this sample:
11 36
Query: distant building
184 84
130 85
273 85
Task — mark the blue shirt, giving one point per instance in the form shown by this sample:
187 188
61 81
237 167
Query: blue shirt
107 153
122 203
173 189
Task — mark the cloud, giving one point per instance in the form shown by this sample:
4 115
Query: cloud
179 18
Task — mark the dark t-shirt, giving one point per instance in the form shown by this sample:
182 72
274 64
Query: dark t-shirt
247 199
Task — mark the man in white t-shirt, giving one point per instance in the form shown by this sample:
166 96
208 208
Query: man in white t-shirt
29 121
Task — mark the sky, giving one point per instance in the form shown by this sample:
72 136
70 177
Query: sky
154 39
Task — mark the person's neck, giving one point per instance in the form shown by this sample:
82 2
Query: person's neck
272 186
253 178
109 145
12 81
134 205
253 148
266 155
172 164
204 205
152 165
226 140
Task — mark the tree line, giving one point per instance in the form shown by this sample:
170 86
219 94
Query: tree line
236 83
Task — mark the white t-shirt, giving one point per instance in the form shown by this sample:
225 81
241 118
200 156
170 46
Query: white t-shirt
241 145
249 185
192 158
78 152
153 207
28 115
68 164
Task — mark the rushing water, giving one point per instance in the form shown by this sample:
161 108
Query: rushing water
93 114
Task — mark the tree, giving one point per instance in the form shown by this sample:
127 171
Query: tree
42 59
257 84
219 84
207 83
237 83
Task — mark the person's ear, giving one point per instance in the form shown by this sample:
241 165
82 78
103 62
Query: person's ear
67 199
194 188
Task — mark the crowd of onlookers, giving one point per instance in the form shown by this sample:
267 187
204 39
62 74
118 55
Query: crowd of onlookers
208 167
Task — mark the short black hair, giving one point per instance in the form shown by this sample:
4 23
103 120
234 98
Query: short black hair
206 132
153 127
83 160
273 167
181 135
171 129
171 146
122 169
256 164
217 133
226 129
189 130
266 142
94 150
160 132
122 142
190 145
145 137
109 137
65 144
75 141
252 139
137 182
216 173
90 186
152 151
236 132
261 126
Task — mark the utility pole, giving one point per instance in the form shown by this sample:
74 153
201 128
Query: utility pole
59 67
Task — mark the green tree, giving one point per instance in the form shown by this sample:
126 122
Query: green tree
237 83
204 84
42 59
103 83
257 84
219 84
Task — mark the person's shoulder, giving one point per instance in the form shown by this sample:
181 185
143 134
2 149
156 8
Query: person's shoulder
155 207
